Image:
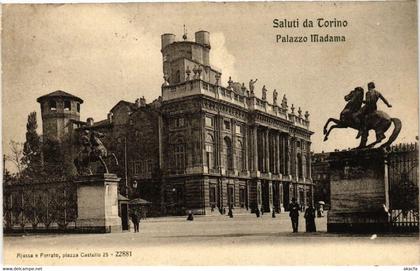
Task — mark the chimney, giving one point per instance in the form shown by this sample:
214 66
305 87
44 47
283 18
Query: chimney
90 121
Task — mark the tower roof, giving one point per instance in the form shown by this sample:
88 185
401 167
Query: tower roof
61 94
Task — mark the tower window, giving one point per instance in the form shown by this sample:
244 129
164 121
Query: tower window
52 105
67 105
78 107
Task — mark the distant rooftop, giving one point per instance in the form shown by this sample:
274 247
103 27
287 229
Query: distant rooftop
59 93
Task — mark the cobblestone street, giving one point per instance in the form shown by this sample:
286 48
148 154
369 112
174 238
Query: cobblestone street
215 240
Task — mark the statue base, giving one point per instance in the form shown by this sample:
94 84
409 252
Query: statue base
97 204
358 191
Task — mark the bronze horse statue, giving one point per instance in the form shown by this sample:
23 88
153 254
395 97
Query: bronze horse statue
378 121
93 150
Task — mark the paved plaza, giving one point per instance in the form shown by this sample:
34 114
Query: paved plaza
214 240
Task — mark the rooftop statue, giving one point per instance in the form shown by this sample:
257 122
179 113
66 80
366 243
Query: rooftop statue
252 85
284 101
230 83
275 95
264 93
365 118
92 150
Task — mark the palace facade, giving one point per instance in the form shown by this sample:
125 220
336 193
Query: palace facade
200 146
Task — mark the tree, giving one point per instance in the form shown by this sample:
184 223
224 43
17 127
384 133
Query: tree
16 155
31 148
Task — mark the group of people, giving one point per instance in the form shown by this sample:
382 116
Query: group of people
294 209
309 216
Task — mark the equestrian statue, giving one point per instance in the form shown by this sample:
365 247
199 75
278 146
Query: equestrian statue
365 118
93 150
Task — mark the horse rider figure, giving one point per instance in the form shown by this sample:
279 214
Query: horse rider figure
365 117
92 150
369 107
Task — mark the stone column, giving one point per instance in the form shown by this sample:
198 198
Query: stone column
289 153
219 149
278 153
234 150
309 171
255 147
245 149
270 195
281 197
97 203
267 151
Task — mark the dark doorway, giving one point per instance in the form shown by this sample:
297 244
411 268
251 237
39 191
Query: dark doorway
231 195
286 199
124 216
265 196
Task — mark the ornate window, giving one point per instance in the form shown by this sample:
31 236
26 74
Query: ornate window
178 122
209 121
228 153
210 157
226 125
240 157
179 155
299 165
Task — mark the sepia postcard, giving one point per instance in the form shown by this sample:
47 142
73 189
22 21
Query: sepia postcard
210 134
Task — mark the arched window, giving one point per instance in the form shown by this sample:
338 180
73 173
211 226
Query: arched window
228 153
177 77
240 156
179 155
299 165
210 157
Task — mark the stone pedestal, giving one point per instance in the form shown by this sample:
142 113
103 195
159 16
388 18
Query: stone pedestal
97 204
358 191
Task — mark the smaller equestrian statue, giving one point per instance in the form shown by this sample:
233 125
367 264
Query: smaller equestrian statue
365 118
93 150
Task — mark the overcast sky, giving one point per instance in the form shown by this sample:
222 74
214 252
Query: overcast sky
106 53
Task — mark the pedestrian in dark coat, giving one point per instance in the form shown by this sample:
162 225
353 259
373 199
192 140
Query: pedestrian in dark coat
310 219
257 212
294 214
190 216
230 212
273 214
135 217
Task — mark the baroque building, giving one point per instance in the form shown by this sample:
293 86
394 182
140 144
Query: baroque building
202 146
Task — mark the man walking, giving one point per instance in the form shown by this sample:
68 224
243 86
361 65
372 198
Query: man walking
294 214
136 220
